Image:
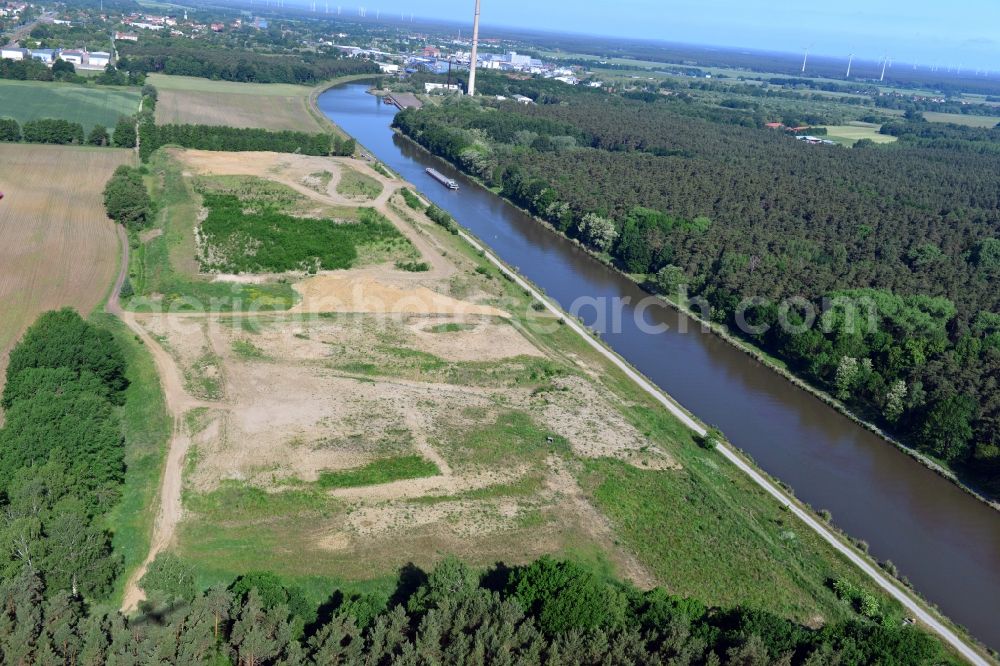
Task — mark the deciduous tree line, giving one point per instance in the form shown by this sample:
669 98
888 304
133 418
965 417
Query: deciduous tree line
57 131
210 137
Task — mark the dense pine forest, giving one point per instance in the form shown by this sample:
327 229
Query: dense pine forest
680 192
549 612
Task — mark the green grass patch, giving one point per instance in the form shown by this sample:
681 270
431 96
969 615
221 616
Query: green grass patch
390 360
358 185
204 379
450 327
248 350
379 471
509 437
853 132
84 104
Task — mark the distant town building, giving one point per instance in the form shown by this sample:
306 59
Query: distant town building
126 37
47 56
431 87
388 68
14 53
521 99
217 27
432 52
99 59
74 56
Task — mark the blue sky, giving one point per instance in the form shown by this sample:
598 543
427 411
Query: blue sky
944 32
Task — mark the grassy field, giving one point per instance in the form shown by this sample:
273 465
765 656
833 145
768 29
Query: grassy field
853 132
962 119
357 185
57 247
89 106
277 106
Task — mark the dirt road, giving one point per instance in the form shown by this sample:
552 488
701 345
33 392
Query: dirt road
178 403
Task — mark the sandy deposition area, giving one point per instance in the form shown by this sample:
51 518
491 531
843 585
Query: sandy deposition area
376 364
336 293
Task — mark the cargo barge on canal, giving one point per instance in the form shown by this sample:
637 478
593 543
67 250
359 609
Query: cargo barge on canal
443 179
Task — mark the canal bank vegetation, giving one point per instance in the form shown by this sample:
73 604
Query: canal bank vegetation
923 372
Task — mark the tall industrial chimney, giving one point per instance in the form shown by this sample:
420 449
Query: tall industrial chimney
475 52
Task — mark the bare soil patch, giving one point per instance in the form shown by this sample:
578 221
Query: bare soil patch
336 293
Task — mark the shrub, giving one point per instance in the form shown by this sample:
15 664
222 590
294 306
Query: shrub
711 438
98 136
411 199
442 217
124 136
9 130
126 199
169 576
564 596
413 266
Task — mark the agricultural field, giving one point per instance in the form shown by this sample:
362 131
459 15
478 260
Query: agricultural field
57 247
87 105
851 133
274 106
389 417
962 119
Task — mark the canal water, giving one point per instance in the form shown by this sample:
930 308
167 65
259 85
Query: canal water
945 541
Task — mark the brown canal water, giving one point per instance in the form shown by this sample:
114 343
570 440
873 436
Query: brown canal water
944 540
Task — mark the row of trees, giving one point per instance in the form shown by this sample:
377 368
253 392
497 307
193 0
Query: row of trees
675 191
52 130
548 612
245 66
61 458
212 137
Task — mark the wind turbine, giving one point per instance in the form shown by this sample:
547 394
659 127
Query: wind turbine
473 61
850 60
